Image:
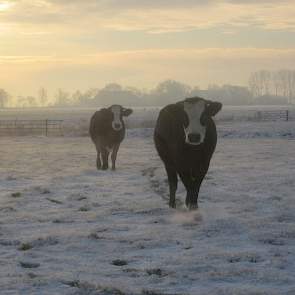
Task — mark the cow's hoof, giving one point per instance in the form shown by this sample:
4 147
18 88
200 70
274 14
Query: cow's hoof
104 167
193 206
172 205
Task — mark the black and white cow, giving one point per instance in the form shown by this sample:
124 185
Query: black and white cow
107 130
185 138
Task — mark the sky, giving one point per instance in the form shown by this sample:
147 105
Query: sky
80 44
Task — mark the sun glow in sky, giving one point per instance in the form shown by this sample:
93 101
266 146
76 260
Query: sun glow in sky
5 6
88 43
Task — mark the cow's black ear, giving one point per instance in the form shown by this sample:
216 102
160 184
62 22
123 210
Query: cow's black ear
127 112
213 107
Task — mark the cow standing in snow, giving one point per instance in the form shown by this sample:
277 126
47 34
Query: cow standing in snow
185 137
107 130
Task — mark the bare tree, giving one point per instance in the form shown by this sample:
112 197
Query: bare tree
255 85
287 80
169 91
4 98
293 87
277 84
260 83
42 96
62 98
76 97
265 80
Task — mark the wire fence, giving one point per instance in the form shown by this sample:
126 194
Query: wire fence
78 125
31 127
282 115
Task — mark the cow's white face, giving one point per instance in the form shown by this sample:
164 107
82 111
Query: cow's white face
116 123
194 132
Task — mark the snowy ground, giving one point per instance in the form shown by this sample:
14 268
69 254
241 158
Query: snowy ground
67 229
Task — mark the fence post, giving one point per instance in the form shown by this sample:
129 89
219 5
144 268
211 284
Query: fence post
287 115
46 127
60 130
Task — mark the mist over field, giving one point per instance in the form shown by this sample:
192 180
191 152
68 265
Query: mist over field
265 88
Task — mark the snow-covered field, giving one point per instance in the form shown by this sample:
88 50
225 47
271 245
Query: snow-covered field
67 229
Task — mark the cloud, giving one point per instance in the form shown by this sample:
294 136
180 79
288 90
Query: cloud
158 55
154 16
60 42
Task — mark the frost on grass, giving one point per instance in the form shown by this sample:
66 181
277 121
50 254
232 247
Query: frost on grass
76 230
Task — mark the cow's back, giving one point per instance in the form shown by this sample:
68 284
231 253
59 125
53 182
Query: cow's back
100 124
168 135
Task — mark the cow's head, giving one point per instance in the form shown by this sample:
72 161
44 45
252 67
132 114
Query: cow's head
197 114
118 112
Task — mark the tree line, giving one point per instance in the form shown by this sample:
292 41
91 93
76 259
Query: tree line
273 83
264 87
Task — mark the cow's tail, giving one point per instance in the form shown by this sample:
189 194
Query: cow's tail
92 127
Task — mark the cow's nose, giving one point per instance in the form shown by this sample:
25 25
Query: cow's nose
117 126
194 137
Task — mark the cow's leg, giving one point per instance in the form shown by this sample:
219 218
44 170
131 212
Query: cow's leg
105 158
192 191
114 156
194 184
172 180
98 161
163 149
191 200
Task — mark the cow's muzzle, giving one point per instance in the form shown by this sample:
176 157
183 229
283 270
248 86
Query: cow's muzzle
194 138
117 126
